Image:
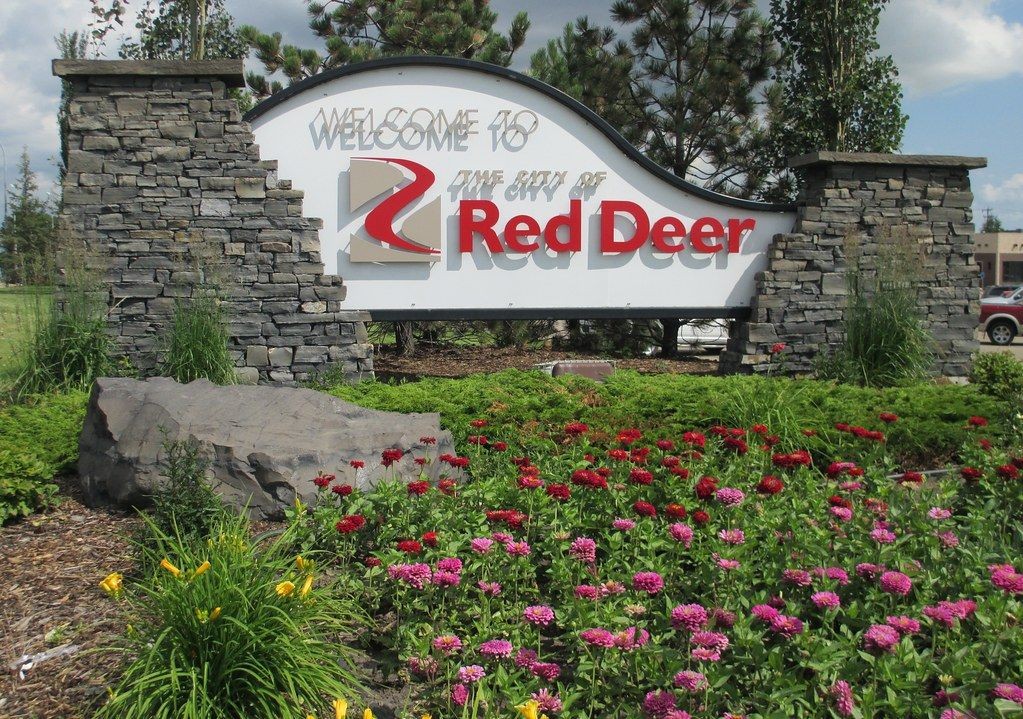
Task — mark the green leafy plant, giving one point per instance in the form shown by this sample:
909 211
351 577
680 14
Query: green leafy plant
229 627
998 374
197 345
25 485
185 503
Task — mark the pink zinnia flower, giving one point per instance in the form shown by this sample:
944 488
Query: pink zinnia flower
501 537
446 579
691 681
649 582
587 591
623 525
842 514
1006 578
1010 692
691 617
882 535
868 571
710 640
841 694
540 614
903 625
548 702
459 694
764 612
682 533
525 658
703 654
727 564
880 637
837 574
948 539
938 513
471 674
447 643
481 545
826 600
730 497
491 589
786 626
517 549
498 648
657 704
548 671
732 536
450 564
798 577
584 549
598 637
896 583
631 638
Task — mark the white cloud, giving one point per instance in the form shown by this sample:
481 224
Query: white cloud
1006 199
941 44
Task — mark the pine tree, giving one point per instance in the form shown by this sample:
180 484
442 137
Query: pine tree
839 94
355 30
27 235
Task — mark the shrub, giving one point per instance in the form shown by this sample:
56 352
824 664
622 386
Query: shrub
225 628
998 374
197 345
185 503
25 485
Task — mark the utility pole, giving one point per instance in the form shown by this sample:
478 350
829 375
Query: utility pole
3 152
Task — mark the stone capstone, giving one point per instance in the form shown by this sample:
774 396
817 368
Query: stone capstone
265 444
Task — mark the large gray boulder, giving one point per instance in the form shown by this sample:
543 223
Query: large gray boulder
265 444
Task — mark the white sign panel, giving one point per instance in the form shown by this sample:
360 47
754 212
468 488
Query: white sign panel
451 187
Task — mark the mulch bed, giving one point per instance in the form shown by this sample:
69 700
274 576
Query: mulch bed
50 568
431 361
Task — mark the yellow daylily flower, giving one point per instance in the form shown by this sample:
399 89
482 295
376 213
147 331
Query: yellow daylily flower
310 716
215 613
307 585
368 714
529 710
166 564
303 564
201 569
285 588
111 584
426 716
340 708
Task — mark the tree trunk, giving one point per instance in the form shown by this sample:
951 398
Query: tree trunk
404 340
669 336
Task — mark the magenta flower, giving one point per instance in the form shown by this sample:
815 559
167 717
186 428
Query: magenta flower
837 574
450 564
548 671
481 545
786 626
471 674
868 571
881 638
1010 692
841 694
491 589
517 549
903 625
732 536
710 640
691 681
649 582
631 638
587 591
703 654
765 612
547 702
826 600
937 513
1006 578
501 537
447 643
459 694
882 535
497 648
541 615
691 617
729 496
657 704
526 658
948 539
598 637
896 583
584 549
727 564
446 579
623 525
798 577
842 514
681 533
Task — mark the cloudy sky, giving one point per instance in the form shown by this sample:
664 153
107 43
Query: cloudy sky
961 63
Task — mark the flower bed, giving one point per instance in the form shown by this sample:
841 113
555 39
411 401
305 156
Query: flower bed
602 572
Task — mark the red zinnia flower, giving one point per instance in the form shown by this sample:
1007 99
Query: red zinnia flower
976 421
971 473
351 523
770 485
430 539
576 428
1007 471
628 436
477 423
644 509
419 488
409 546
695 439
341 489
701 517
372 561
357 464
665 445
390 456
640 476
560 492
888 417
777 348
428 440
737 444
447 486
499 446
323 481
706 487
675 511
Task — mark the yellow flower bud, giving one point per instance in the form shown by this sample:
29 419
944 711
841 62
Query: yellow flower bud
202 569
112 584
285 588
529 710
306 586
340 708
165 563
302 563
215 613
368 714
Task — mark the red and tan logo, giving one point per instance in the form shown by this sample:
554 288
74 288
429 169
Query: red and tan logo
420 236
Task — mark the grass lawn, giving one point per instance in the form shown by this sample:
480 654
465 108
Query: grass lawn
17 306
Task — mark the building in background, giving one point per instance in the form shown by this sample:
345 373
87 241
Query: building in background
1000 256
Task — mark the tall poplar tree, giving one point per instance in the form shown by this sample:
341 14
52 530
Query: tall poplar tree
27 235
356 30
840 94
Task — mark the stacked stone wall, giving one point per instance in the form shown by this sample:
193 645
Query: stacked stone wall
865 204
166 189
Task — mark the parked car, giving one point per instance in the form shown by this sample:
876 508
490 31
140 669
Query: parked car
1000 290
1002 317
703 334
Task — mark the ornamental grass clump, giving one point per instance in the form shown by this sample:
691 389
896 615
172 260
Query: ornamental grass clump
197 346
231 627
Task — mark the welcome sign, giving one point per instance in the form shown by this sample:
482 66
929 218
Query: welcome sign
455 188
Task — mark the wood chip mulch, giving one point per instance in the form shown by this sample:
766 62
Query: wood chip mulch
50 568
430 361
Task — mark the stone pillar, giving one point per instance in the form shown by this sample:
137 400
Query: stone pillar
868 200
166 190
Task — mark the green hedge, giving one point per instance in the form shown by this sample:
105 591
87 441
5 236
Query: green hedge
931 429
38 439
